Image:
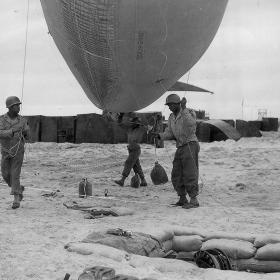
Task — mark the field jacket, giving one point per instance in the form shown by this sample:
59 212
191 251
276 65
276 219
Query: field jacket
11 142
181 128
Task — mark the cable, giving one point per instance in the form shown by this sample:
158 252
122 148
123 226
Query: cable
17 145
187 82
25 51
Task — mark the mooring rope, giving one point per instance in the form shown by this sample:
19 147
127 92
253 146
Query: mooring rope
25 52
188 78
17 145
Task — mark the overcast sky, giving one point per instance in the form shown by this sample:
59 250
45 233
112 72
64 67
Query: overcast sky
242 63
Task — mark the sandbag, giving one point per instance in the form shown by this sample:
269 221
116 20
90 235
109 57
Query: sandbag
135 181
187 256
167 245
269 252
234 249
161 264
187 231
97 249
233 236
187 243
256 265
158 175
262 240
160 234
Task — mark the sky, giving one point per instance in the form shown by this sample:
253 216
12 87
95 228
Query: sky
241 66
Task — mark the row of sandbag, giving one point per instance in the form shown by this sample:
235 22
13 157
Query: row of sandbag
246 251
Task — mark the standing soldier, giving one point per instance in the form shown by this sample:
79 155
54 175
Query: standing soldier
135 131
182 128
13 132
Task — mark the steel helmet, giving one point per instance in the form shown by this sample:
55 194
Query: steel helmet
172 98
12 100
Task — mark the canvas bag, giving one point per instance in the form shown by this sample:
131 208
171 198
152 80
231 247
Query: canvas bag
158 175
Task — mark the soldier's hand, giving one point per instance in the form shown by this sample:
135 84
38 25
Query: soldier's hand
25 132
155 135
17 128
183 103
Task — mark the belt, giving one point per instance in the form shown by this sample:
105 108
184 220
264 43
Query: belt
193 141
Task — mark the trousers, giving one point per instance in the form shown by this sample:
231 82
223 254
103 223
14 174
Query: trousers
11 169
185 173
133 162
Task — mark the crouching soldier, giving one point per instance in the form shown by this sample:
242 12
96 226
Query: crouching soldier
13 132
135 131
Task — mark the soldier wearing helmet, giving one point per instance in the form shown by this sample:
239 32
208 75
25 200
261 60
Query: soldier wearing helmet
182 128
13 132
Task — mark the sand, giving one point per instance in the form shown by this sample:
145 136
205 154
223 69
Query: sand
240 194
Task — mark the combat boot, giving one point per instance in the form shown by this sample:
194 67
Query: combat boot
182 201
21 194
143 183
121 181
193 203
16 202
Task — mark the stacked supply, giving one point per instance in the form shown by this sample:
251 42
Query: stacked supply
246 252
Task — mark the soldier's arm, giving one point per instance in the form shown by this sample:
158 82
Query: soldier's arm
5 133
167 134
189 115
189 122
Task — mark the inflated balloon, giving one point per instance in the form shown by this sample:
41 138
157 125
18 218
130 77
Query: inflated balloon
127 53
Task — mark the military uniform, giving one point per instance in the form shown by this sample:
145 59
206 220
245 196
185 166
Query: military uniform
12 150
134 136
184 174
135 132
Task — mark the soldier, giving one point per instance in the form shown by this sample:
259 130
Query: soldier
135 131
182 128
13 132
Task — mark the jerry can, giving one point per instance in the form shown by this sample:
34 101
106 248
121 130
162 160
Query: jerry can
85 188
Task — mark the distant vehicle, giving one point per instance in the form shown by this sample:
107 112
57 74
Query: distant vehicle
127 53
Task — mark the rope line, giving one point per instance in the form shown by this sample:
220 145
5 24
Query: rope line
17 145
187 82
25 52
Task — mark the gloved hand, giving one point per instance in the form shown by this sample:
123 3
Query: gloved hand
25 133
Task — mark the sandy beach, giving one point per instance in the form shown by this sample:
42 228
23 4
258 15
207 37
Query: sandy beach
239 194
